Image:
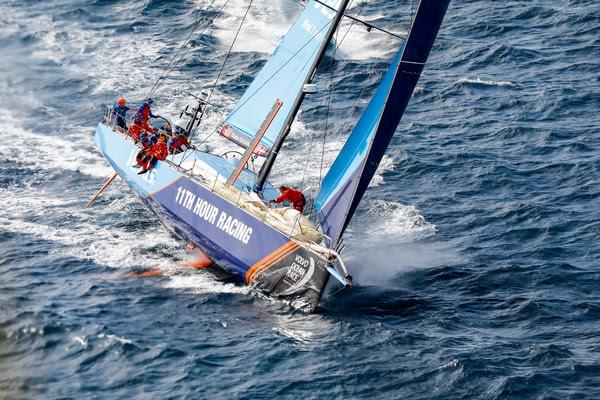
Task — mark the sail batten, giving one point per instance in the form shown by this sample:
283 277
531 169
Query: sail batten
282 77
351 172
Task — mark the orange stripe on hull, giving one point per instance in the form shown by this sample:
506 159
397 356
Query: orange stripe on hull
268 265
269 261
266 259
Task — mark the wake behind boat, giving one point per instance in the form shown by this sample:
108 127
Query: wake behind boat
220 206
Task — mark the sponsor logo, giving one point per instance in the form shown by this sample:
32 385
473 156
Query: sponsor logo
299 273
212 215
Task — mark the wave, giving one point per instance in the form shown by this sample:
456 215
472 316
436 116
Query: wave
41 151
483 82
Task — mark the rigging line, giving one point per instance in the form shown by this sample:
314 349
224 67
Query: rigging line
313 213
188 154
166 71
312 138
212 90
329 96
331 70
354 109
218 12
283 66
365 23
328 101
173 63
238 106
326 121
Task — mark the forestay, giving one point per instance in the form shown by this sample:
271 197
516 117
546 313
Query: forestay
281 77
345 183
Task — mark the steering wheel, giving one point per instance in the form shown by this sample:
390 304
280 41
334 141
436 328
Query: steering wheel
233 153
166 120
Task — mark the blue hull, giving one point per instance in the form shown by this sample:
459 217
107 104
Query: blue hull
237 241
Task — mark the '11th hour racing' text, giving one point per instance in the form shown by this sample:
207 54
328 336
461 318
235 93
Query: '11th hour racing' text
211 214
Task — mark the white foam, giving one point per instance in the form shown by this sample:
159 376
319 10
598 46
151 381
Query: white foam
113 339
203 283
485 82
305 330
48 152
388 242
370 264
265 25
380 218
81 340
84 237
386 165
299 336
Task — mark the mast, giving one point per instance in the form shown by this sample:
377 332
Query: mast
285 129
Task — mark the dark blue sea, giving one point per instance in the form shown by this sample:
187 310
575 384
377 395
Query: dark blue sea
476 253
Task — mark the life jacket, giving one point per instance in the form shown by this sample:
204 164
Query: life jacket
176 142
293 196
120 111
136 130
159 150
145 111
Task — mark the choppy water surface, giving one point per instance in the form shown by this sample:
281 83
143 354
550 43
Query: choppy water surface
476 253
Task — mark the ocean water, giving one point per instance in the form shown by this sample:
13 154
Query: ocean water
476 253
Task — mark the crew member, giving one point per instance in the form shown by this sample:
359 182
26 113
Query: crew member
119 112
293 196
178 143
143 155
148 140
136 129
140 126
157 152
145 111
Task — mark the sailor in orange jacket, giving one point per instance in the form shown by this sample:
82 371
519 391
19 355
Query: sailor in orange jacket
293 196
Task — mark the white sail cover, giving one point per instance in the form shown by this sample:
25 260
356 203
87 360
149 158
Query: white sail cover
281 77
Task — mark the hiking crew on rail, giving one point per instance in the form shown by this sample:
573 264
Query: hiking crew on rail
157 144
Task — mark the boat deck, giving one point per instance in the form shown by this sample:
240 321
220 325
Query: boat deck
200 161
212 171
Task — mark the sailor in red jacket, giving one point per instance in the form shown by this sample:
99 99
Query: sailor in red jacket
138 127
145 111
293 196
178 143
159 149
157 152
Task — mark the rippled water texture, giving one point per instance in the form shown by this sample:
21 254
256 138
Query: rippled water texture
475 254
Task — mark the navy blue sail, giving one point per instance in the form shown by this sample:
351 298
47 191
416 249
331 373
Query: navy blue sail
348 178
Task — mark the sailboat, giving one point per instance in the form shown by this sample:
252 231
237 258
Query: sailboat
220 206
